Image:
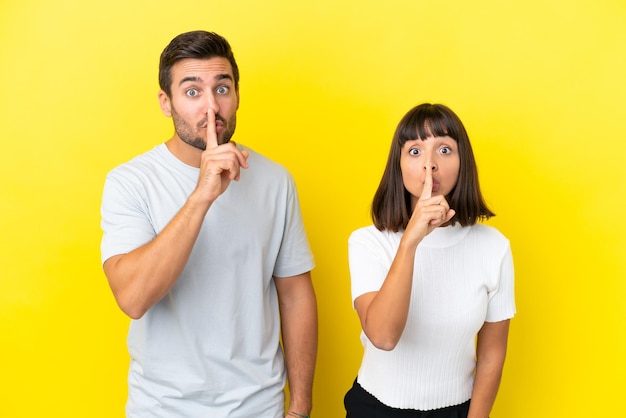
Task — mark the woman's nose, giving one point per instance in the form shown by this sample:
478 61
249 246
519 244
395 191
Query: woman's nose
430 162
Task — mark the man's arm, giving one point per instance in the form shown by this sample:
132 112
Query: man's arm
490 355
298 313
140 278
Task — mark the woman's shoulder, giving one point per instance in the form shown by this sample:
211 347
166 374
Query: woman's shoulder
371 233
489 233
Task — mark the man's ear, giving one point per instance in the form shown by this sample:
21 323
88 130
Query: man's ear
166 103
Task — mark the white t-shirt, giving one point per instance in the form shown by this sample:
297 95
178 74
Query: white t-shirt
463 276
210 347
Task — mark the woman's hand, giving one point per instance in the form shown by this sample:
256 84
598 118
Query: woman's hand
429 212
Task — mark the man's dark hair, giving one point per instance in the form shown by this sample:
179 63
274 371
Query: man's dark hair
198 45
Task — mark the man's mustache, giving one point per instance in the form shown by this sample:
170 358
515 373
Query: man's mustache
206 120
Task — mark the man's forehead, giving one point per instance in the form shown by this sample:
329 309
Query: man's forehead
201 69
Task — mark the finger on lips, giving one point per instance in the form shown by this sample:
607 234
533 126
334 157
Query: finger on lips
427 189
211 141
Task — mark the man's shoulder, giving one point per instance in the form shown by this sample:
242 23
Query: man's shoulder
261 163
146 161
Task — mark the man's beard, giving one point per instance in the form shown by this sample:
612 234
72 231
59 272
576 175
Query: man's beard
190 136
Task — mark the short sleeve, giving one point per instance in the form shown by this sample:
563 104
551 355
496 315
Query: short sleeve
125 222
369 261
295 256
502 297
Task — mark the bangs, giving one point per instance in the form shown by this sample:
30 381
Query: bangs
424 122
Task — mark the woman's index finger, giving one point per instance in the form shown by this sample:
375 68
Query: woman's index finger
427 189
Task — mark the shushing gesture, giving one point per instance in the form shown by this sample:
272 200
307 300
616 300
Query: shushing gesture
220 164
430 211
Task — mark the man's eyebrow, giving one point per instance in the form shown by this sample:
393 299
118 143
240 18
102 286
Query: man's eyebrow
188 79
194 78
224 76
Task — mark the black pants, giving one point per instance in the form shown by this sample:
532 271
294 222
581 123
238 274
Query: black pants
361 404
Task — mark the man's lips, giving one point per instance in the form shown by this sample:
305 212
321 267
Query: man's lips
219 125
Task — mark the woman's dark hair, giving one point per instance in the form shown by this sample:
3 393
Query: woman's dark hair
196 44
391 207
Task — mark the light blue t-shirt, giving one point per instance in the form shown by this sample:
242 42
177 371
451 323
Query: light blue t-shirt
210 347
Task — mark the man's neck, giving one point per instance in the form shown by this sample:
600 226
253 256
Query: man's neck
184 152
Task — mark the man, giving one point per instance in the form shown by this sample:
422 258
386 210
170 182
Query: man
204 248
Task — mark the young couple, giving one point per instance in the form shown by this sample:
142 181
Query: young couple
204 248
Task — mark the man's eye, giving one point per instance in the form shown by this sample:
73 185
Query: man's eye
192 92
222 90
414 151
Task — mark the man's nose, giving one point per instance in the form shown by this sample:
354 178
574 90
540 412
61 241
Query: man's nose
212 103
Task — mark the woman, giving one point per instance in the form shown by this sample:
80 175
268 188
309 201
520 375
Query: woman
429 281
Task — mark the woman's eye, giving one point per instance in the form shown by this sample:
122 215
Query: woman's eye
446 150
414 151
222 90
192 92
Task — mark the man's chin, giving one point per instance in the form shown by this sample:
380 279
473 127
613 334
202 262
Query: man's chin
225 137
197 143
200 143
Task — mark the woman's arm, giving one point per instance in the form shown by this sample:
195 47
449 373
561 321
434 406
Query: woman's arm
383 314
490 355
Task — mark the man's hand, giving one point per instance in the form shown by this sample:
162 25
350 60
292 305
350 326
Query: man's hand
220 164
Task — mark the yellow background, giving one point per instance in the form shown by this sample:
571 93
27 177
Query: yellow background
540 85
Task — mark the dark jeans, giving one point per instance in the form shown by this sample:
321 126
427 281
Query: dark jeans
361 404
